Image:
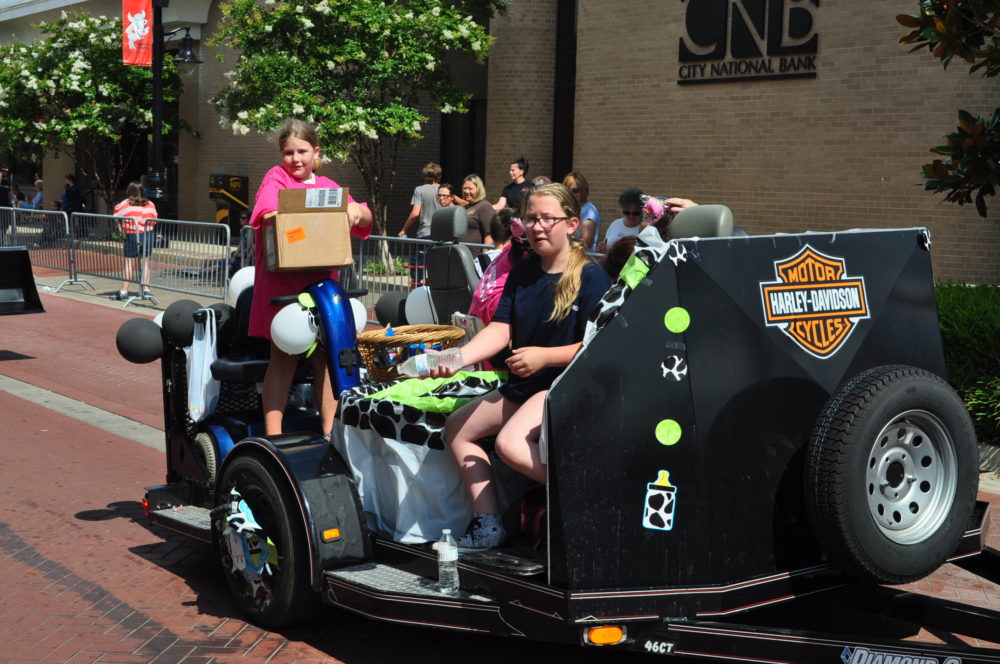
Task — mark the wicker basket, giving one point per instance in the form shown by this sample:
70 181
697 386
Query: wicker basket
379 352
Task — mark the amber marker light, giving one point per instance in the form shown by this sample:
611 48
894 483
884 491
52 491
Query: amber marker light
331 534
606 635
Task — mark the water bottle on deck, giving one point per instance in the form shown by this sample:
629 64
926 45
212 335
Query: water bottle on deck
421 365
447 553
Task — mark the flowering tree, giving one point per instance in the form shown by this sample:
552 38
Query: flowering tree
357 68
69 92
969 29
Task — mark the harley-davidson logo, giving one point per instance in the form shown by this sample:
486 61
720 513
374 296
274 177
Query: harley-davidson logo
814 302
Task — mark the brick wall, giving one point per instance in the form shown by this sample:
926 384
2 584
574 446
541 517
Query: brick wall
839 151
521 88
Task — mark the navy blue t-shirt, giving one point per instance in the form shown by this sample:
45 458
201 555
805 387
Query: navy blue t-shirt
526 305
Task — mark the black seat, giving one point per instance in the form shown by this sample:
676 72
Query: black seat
451 271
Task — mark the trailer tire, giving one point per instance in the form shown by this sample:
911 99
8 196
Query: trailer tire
286 596
891 474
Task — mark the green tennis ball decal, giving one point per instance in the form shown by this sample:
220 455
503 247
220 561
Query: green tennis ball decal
668 432
677 319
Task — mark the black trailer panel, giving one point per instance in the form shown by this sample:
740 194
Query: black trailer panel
676 438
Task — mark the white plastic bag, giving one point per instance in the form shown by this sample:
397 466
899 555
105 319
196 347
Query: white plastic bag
203 390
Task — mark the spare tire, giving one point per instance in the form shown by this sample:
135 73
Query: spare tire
891 474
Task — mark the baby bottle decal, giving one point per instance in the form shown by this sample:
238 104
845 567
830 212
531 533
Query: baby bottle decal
660 498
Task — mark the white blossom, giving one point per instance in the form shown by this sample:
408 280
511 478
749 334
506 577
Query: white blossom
306 23
242 115
415 126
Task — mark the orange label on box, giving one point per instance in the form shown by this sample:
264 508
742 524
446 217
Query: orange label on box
295 234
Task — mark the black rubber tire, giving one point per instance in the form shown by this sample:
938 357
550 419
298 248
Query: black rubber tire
891 474
292 597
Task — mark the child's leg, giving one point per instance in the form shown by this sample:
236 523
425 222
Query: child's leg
517 442
277 381
477 419
323 388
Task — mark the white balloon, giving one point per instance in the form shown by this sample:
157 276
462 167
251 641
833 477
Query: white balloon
240 281
159 318
360 315
293 329
419 307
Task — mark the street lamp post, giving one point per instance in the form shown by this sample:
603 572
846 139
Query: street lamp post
156 180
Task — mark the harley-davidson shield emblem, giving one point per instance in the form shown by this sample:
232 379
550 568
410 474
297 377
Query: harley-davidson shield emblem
814 302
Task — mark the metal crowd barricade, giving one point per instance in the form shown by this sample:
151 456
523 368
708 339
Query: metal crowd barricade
385 264
46 235
185 256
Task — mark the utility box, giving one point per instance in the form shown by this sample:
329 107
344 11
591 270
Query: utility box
311 231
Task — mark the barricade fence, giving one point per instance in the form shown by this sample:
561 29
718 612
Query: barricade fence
181 256
44 232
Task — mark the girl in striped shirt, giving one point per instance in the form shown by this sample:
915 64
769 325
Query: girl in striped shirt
139 219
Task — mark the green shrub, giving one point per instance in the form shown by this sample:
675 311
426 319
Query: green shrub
375 267
970 332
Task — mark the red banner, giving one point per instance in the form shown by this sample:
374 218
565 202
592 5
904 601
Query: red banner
137 32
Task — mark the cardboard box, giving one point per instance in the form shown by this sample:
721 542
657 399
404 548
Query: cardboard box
310 231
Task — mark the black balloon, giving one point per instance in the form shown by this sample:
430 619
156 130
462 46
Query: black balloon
178 322
140 341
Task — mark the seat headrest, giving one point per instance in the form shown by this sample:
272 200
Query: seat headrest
702 221
449 224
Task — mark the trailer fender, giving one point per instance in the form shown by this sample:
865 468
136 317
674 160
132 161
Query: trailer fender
326 498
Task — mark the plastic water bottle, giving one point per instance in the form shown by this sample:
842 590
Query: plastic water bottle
447 550
421 365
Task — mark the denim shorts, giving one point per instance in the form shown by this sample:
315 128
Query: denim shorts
138 244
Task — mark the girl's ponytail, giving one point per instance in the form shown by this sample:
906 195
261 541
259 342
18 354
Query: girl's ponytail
568 286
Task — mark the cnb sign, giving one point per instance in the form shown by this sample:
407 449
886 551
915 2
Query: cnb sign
747 40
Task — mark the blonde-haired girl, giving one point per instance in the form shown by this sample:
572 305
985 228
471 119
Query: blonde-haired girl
542 314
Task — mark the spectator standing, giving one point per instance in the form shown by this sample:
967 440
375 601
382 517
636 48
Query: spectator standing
72 199
5 182
590 220
630 223
519 186
139 219
446 195
478 209
424 201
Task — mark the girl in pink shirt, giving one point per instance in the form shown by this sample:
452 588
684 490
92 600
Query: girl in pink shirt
300 150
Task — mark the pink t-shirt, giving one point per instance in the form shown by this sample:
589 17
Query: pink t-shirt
274 284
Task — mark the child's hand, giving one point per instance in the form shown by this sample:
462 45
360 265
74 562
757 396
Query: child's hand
527 360
356 214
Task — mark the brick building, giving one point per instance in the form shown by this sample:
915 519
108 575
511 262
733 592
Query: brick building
798 115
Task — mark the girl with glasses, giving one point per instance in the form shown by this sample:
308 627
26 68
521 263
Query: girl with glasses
542 314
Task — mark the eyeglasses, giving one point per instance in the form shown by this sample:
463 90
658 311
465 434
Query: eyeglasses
632 213
545 222
444 195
